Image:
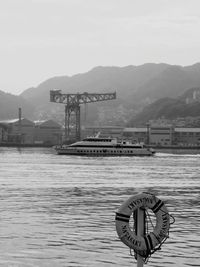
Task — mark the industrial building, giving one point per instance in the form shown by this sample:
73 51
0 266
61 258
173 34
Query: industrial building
186 136
136 135
106 131
161 135
49 132
17 131
24 131
155 135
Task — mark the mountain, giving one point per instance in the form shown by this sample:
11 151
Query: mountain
188 104
9 105
136 87
123 80
148 80
171 82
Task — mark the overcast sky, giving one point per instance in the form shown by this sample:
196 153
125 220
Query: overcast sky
41 39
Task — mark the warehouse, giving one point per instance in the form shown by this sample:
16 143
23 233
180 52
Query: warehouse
24 131
47 132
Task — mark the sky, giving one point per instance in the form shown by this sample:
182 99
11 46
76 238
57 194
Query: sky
41 39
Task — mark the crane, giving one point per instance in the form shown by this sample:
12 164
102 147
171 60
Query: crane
72 105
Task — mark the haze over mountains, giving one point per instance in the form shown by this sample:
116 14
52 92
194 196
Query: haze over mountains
9 105
136 87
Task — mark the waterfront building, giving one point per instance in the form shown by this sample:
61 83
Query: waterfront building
19 130
136 135
47 132
106 131
161 135
186 136
3 132
24 131
155 135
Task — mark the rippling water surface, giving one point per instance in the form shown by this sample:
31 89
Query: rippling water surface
59 210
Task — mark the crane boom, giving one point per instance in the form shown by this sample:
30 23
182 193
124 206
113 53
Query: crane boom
70 99
72 104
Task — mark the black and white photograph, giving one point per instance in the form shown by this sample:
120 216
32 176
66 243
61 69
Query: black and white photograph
99 133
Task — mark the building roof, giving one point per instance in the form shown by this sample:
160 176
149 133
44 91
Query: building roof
48 123
187 130
9 121
39 122
104 127
142 129
16 121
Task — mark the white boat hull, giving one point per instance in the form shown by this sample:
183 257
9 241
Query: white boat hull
104 151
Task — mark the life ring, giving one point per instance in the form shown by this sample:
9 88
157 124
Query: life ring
143 245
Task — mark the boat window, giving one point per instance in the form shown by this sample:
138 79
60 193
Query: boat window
97 140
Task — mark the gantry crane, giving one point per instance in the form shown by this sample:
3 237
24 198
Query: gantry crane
72 105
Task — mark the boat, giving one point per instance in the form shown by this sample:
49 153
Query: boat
96 146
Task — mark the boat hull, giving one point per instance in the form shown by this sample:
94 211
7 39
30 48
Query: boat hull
104 152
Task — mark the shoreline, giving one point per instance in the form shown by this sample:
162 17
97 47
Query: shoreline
173 147
25 145
176 147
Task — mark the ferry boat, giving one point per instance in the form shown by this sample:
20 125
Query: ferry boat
96 146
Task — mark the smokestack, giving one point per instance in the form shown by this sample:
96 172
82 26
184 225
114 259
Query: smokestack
20 124
20 115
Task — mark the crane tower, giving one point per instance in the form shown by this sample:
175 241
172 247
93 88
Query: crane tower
72 106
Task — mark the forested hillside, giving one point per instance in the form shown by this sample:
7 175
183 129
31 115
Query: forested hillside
136 88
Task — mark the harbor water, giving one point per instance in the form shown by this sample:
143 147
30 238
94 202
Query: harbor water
60 210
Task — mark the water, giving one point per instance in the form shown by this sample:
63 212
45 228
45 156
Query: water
59 210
